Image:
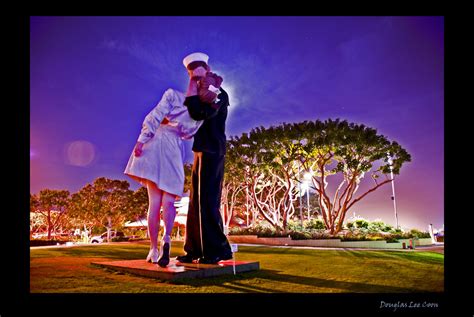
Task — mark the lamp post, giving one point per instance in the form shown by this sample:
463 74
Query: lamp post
299 192
247 194
307 199
307 177
304 188
390 162
247 203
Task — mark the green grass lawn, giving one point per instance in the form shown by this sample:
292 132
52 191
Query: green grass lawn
282 270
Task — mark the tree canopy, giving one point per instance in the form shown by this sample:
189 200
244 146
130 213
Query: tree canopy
278 157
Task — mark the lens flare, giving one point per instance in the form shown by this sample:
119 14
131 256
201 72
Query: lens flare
79 153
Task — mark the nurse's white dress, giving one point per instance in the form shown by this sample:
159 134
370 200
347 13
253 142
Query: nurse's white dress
162 159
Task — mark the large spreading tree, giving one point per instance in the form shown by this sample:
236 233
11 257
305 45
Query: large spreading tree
268 168
278 157
233 191
107 203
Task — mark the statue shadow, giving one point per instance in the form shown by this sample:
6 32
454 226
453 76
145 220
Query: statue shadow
410 256
237 283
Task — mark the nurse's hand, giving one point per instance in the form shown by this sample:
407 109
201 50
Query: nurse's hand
138 149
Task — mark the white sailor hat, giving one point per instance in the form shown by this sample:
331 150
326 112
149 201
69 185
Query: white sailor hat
195 57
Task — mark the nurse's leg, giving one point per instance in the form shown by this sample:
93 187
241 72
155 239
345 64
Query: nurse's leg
169 214
155 196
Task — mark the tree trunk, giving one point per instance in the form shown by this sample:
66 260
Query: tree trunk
109 228
226 225
285 225
49 224
341 220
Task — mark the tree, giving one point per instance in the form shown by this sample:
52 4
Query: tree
188 168
84 209
105 203
138 205
315 210
278 157
232 188
269 160
335 147
52 205
37 220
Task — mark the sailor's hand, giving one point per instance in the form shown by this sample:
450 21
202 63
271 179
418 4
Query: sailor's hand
198 73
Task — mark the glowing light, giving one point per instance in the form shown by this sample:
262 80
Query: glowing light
233 100
231 89
304 188
308 176
32 153
79 153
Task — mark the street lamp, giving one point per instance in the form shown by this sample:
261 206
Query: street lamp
247 169
299 192
305 189
307 177
390 163
247 203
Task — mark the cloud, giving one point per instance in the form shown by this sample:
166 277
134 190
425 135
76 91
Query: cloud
154 56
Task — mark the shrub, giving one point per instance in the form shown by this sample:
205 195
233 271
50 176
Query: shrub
294 225
314 223
270 232
323 235
313 235
37 243
264 229
375 237
391 240
415 233
301 235
354 237
259 230
387 228
363 236
141 234
376 226
396 231
119 239
235 231
350 225
361 223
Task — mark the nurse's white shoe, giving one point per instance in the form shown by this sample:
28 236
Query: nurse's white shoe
153 256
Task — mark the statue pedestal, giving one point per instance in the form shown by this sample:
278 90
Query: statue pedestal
176 270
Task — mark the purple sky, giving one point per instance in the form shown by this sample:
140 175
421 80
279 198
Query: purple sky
93 79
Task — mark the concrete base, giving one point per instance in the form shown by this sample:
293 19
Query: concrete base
176 270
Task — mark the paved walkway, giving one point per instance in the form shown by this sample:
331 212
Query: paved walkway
438 248
430 248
